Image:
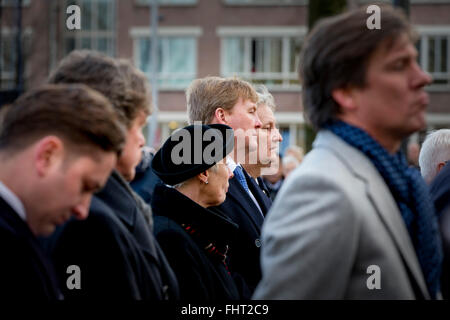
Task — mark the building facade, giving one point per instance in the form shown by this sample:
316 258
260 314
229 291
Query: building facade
257 40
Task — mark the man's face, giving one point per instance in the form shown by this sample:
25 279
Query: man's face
132 151
393 103
66 190
269 137
244 120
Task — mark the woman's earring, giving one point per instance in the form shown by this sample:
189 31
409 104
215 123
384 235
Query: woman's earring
206 182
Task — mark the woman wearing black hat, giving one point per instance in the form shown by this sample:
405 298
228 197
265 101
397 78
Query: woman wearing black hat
193 238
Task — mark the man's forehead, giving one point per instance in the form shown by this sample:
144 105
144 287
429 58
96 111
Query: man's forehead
264 112
391 48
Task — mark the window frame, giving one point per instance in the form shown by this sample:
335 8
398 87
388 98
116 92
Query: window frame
191 32
425 32
8 4
167 3
93 34
268 3
249 33
10 34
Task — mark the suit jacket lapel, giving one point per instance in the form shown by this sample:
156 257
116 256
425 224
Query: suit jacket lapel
116 195
257 193
264 188
380 196
241 196
388 210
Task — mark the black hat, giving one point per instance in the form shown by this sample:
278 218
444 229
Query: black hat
192 150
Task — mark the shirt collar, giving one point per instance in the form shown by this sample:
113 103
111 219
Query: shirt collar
13 201
231 164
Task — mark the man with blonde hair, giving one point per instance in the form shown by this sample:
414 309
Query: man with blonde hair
233 102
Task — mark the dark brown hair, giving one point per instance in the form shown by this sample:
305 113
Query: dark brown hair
78 115
336 55
109 77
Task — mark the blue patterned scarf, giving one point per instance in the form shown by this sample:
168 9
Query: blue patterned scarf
412 197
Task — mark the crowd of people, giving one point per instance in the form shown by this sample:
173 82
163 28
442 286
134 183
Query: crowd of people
88 212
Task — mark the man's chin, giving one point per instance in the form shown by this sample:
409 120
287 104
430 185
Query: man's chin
269 170
46 231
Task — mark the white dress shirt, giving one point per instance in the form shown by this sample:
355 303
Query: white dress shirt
231 164
13 201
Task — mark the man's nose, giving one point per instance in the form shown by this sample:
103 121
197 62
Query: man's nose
277 136
421 77
230 173
258 123
141 140
81 210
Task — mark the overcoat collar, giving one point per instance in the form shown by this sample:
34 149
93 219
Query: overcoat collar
116 195
240 195
211 226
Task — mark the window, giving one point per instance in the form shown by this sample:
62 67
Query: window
266 2
97 27
13 3
434 55
269 58
177 55
168 2
8 56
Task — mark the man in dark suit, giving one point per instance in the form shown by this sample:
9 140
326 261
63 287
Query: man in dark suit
118 255
266 159
233 102
58 145
440 194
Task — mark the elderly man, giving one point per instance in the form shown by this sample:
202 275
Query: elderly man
354 221
233 102
269 138
58 145
434 154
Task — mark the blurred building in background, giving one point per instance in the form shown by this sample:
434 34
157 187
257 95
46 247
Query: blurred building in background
257 40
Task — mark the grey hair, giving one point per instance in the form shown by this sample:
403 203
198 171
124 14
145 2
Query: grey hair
290 159
435 149
179 185
265 97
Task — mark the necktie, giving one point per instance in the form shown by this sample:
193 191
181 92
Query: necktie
239 174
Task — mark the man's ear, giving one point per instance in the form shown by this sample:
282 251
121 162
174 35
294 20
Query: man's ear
440 166
220 116
49 152
344 98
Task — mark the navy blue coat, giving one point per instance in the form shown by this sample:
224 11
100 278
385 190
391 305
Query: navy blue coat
115 250
195 241
440 194
25 272
245 249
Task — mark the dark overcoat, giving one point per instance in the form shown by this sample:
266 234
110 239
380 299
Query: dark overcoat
25 272
440 194
245 249
115 249
195 242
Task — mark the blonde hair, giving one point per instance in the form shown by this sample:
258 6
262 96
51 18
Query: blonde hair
205 95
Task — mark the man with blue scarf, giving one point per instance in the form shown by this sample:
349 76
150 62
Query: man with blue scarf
353 221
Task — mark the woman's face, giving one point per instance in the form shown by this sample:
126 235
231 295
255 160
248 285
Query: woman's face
217 186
